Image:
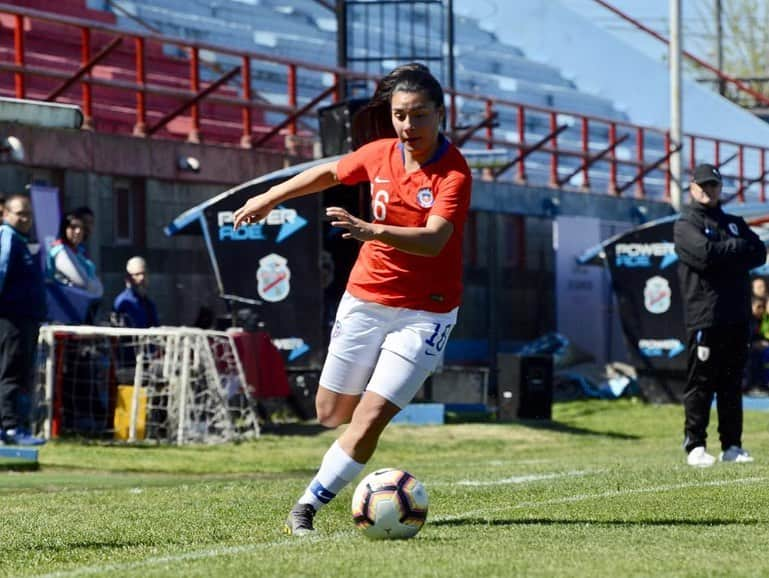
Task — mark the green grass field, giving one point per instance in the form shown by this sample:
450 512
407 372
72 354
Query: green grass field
601 491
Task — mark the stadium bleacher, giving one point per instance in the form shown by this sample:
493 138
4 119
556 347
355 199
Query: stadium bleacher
487 70
306 31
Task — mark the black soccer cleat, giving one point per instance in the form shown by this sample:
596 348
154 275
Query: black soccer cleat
299 521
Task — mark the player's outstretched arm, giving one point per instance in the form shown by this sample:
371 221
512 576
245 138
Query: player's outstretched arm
307 182
427 241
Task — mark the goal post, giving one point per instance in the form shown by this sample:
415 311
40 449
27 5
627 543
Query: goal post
167 384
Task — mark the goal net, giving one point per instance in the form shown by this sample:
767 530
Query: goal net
168 384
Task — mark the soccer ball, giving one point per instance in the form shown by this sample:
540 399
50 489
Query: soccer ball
389 503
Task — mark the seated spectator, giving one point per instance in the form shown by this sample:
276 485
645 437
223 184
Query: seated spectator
758 287
757 376
132 307
760 291
67 264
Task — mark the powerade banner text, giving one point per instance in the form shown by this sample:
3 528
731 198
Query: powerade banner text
644 271
275 262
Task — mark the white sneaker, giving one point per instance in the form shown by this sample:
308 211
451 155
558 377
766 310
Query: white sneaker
735 454
699 458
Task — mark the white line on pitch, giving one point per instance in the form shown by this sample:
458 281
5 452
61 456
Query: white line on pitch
198 555
251 548
522 479
602 495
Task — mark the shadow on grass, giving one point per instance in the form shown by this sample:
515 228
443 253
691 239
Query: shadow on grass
293 429
311 429
20 466
555 426
559 522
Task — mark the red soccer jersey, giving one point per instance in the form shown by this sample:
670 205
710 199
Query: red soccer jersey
386 275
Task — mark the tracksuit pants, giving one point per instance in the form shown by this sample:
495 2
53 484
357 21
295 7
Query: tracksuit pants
18 349
716 362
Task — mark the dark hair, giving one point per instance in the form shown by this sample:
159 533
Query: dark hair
65 222
373 121
80 212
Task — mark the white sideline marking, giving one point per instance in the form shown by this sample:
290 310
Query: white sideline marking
524 479
197 555
602 495
287 541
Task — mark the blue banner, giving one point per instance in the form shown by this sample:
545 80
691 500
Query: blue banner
45 205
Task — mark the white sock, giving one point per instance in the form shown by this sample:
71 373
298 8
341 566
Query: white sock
336 471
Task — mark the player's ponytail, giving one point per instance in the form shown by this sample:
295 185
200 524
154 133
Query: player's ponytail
373 121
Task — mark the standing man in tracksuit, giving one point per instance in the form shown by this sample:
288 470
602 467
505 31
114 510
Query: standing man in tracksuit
716 252
22 308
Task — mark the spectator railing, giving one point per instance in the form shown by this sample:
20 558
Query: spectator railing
130 76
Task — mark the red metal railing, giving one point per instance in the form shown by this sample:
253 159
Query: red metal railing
134 86
156 80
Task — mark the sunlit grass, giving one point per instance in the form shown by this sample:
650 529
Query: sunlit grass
601 491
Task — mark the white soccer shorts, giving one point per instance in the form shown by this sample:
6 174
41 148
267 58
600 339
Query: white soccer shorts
387 350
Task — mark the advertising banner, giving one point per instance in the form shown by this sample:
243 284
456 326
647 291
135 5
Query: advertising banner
272 267
275 262
45 204
644 272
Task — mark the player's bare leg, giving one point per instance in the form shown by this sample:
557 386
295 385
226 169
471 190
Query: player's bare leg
369 419
334 409
346 457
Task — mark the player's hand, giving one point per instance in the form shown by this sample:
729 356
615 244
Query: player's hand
253 211
355 228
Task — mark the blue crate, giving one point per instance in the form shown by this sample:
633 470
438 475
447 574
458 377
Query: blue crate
421 414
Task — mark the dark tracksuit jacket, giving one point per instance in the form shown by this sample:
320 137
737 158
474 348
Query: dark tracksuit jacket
716 251
22 308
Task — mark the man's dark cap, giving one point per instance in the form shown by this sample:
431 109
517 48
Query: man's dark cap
706 173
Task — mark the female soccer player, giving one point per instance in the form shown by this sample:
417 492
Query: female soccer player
404 289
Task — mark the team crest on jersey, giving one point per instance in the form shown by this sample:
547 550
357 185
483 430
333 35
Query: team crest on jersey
657 295
425 198
272 278
734 230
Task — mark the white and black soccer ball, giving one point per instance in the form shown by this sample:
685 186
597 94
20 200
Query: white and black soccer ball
389 503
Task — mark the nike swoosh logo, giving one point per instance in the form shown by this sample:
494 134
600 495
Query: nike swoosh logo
380 180
429 353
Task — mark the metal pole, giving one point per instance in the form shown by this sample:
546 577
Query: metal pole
719 46
184 386
50 340
140 128
675 103
450 42
492 294
341 45
138 378
18 57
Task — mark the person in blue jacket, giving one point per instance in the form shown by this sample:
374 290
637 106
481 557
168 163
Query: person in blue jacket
132 307
22 309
